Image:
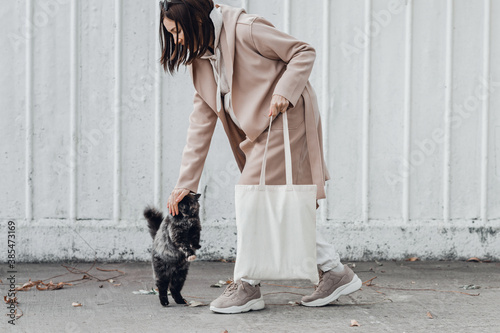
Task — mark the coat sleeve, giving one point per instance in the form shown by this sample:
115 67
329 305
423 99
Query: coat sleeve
202 123
277 45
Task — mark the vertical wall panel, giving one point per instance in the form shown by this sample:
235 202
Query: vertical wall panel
466 119
51 112
96 111
345 132
13 109
386 110
137 111
427 109
494 121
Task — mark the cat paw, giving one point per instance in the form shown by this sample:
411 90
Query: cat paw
181 301
191 258
164 300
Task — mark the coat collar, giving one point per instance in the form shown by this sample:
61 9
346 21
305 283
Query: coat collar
230 17
201 69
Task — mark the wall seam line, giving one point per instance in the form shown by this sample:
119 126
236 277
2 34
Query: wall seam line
73 110
117 125
366 114
485 112
447 114
29 119
407 109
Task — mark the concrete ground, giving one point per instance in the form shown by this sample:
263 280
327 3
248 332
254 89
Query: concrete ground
402 298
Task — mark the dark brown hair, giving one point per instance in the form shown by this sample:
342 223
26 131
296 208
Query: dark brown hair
193 17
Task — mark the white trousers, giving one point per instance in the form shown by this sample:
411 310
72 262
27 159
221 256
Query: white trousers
326 256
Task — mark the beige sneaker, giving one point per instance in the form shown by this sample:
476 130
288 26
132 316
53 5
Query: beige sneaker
239 296
332 285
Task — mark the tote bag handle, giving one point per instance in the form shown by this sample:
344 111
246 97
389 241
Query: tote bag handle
288 153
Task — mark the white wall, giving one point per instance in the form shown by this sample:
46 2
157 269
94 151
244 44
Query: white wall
92 131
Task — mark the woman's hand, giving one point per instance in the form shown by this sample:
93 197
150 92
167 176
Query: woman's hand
173 200
278 104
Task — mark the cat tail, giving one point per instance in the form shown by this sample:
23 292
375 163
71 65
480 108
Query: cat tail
154 218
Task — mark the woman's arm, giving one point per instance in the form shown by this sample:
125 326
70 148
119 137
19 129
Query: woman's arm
277 45
202 123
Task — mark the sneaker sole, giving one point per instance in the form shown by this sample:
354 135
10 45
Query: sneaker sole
346 289
255 304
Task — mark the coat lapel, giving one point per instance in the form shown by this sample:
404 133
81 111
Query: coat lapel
229 60
201 69
227 38
204 81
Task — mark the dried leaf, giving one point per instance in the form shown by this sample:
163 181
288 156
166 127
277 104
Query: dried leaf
10 300
474 259
379 263
429 314
51 285
413 259
117 284
75 304
27 286
354 323
225 331
292 303
22 288
194 304
111 280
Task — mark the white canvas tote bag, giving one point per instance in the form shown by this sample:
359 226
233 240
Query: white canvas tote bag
276 226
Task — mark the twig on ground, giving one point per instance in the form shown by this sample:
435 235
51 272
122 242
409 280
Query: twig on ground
369 284
283 292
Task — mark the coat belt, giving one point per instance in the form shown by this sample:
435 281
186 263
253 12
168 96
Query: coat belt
313 144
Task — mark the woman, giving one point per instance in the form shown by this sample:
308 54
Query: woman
244 71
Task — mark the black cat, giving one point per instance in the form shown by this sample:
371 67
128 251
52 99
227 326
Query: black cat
175 239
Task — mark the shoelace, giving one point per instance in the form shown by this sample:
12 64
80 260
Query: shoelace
320 282
231 288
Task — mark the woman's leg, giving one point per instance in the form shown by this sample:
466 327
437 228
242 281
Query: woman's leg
335 279
326 255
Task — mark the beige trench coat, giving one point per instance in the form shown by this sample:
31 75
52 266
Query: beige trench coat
260 61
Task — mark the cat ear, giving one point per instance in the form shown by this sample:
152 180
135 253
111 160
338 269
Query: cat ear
197 196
